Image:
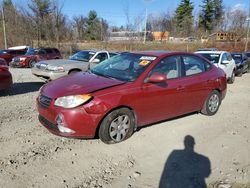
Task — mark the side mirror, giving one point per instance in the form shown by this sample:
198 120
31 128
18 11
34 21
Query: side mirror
225 62
157 78
96 61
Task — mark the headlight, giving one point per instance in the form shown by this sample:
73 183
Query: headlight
55 69
73 100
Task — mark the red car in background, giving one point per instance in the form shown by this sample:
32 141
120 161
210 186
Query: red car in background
5 75
128 91
34 55
9 54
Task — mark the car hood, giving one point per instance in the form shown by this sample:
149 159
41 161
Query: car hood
60 62
78 83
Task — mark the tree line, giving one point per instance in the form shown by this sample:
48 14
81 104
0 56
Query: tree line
43 20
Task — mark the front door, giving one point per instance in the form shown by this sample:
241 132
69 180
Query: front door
162 100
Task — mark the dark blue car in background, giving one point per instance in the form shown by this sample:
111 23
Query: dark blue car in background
242 63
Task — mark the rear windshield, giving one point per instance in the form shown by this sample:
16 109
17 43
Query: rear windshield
32 52
212 57
82 56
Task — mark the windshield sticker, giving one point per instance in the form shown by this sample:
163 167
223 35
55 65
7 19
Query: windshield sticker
149 58
237 55
144 63
214 55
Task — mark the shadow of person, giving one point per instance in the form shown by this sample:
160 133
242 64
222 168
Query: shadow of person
185 168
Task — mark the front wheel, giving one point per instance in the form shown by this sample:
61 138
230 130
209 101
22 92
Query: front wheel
212 104
117 126
32 63
248 69
232 78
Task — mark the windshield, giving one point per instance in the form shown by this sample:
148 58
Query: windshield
213 58
32 52
237 56
82 56
125 67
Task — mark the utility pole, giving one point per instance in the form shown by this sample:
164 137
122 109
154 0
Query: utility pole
4 30
145 31
248 20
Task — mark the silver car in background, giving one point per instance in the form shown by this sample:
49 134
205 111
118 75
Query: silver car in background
81 61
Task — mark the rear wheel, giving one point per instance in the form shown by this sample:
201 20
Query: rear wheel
117 126
212 103
232 78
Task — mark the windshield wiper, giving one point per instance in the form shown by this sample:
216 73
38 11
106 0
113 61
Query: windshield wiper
104 75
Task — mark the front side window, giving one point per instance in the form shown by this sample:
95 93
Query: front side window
224 57
193 65
41 52
169 67
102 56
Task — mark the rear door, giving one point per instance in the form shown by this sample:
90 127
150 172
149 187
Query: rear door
196 83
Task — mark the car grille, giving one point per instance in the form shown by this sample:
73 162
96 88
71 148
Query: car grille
47 123
44 101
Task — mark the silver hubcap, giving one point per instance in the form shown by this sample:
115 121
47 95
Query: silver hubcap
213 103
119 128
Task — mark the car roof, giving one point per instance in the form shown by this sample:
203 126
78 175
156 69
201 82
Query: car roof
153 52
210 52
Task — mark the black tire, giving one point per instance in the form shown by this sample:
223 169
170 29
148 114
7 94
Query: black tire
232 78
117 126
32 63
212 103
248 69
241 73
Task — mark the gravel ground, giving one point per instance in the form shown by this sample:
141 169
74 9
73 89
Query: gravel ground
32 157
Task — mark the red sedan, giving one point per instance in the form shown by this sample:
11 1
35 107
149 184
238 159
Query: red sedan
5 75
34 55
128 91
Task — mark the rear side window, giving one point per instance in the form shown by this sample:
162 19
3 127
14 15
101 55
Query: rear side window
112 54
194 65
56 50
48 50
229 57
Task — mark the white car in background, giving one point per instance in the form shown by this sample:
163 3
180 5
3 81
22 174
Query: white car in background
223 60
81 61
